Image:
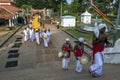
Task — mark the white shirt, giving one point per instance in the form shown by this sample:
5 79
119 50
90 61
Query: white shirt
45 35
25 32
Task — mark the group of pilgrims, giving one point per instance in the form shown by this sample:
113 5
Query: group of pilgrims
98 41
36 34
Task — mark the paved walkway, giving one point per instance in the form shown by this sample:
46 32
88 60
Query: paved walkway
34 62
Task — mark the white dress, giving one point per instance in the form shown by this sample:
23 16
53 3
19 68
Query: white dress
37 37
49 36
45 38
25 35
32 34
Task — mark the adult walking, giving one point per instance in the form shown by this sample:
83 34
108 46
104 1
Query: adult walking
25 34
32 34
99 39
66 48
45 38
37 36
49 35
78 51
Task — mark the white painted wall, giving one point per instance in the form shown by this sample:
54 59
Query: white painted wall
68 21
86 18
5 3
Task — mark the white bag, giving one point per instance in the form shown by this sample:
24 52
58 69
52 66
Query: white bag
60 54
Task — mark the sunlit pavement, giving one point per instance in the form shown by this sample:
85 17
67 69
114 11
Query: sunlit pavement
34 62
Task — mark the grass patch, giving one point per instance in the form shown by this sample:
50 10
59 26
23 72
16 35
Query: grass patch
7 28
77 34
88 37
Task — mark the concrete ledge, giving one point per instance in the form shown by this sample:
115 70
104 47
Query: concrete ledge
8 37
86 44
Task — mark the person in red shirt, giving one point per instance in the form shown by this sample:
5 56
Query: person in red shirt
99 40
66 49
78 51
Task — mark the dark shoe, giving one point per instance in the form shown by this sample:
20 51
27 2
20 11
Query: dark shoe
95 75
89 71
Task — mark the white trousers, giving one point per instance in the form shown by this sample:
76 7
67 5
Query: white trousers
25 38
65 63
79 66
48 39
32 38
97 68
37 40
45 42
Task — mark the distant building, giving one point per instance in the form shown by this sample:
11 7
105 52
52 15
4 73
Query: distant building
9 12
69 1
86 17
49 12
68 21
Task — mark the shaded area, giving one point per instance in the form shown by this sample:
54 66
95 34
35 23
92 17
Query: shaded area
17 45
13 51
18 40
11 64
13 55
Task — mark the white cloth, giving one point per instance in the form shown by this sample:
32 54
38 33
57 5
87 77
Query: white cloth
65 63
100 26
79 66
32 35
28 32
81 39
41 33
37 37
97 68
25 35
67 39
30 25
49 36
45 38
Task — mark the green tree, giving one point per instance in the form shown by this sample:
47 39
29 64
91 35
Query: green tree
40 4
76 7
104 5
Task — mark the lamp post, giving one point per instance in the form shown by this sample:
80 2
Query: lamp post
118 16
61 8
117 23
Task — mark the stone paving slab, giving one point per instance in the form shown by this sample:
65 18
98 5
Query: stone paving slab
38 63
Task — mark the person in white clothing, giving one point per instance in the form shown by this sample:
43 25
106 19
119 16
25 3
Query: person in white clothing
99 39
41 33
45 38
32 34
25 34
57 24
37 37
66 49
78 51
28 32
49 35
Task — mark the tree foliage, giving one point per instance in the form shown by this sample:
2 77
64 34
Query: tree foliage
40 4
76 7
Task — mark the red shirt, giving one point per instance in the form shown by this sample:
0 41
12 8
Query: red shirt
97 48
67 49
79 52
